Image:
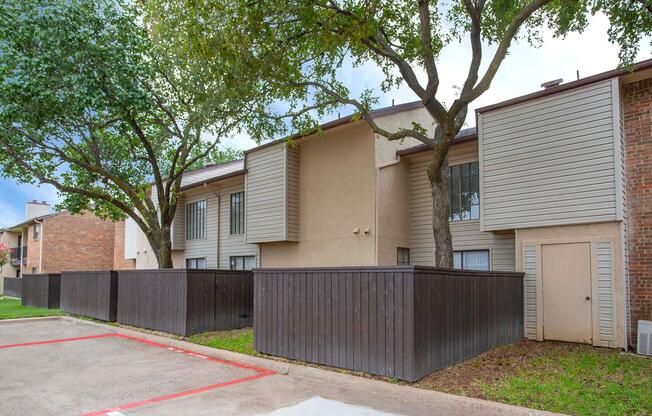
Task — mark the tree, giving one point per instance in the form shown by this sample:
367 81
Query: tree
4 255
631 21
91 105
296 48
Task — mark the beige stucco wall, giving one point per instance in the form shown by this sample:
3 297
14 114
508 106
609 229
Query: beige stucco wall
393 212
584 233
337 181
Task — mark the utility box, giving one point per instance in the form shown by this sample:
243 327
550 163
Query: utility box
644 338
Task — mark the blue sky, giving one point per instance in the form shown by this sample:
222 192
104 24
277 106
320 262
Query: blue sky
524 69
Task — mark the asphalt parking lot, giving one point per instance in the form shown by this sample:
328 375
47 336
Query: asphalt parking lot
72 367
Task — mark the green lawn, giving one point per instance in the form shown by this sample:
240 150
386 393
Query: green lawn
11 308
559 377
238 340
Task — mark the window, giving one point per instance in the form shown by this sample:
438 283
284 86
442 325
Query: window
37 231
196 220
237 213
199 263
243 262
33 270
464 188
402 256
471 260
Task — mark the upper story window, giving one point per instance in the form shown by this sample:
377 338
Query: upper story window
37 231
196 220
464 188
237 213
471 259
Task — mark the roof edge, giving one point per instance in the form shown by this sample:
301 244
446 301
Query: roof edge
603 76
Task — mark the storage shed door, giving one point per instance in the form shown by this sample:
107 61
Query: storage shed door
567 292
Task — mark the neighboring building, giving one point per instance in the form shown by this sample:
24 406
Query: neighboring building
557 184
54 242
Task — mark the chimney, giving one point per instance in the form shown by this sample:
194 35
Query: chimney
35 209
552 83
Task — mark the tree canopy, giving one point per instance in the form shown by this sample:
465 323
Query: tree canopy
92 105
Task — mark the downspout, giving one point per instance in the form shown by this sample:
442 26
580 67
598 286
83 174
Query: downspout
22 254
40 243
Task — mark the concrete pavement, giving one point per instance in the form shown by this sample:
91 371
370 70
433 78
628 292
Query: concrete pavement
61 366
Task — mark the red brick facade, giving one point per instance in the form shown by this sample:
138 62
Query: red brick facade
75 242
637 106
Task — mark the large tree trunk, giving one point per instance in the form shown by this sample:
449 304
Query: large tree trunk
164 256
438 175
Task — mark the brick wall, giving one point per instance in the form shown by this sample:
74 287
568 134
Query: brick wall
637 107
77 242
119 262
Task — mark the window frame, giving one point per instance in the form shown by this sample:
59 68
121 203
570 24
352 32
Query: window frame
456 185
36 234
196 261
232 259
236 213
196 230
398 256
462 252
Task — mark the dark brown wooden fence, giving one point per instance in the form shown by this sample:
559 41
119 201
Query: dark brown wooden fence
403 322
41 290
12 286
185 302
91 293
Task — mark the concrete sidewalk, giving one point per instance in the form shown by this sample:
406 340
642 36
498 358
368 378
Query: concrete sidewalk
151 372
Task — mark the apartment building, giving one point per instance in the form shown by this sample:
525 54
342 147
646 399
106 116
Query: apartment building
557 184
51 242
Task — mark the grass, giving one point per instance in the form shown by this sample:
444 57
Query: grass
238 340
10 308
554 376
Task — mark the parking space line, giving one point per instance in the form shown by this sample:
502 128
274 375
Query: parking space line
56 341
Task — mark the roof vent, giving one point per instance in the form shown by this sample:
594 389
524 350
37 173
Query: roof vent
552 83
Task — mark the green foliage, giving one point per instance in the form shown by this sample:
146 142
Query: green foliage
91 104
631 22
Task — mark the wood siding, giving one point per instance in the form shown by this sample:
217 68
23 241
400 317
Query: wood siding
93 294
131 239
466 234
605 294
232 245
185 302
271 195
402 322
550 161
178 228
41 290
530 291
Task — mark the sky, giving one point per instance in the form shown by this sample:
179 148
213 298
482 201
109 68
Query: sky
522 72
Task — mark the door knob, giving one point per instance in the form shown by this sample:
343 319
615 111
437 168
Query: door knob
588 298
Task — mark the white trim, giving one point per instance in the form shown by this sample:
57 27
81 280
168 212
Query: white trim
480 132
617 138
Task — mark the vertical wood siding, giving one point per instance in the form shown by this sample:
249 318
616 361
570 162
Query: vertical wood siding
380 320
272 194
605 294
12 286
466 234
41 290
549 161
231 245
185 302
530 291
93 294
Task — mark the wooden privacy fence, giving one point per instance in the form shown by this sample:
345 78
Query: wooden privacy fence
185 302
12 286
41 290
403 322
91 293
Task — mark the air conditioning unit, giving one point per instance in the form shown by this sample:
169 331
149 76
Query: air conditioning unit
644 338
